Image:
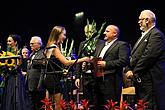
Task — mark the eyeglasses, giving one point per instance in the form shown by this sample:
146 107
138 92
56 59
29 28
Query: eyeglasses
32 43
142 19
8 40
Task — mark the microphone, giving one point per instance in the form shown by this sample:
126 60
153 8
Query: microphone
51 47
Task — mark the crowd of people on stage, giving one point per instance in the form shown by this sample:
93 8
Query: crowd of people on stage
36 72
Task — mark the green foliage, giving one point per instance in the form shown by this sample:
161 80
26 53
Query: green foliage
66 51
90 45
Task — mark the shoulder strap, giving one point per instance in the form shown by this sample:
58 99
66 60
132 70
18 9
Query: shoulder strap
50 50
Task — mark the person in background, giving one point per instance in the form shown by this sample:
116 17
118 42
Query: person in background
14 44
14 95
25 52
34 71
25 55
85 69
110 58
147 63
56 63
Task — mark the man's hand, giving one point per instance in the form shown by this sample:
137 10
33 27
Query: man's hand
101 64
129 74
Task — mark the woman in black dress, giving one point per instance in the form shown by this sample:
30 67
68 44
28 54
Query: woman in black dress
14 95
57 60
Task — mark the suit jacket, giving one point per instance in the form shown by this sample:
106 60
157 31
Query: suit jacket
81 53
34 70
148 63
116 57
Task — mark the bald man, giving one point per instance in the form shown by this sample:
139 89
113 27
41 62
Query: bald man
114 55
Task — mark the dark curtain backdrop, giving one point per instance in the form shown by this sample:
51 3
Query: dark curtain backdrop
37 17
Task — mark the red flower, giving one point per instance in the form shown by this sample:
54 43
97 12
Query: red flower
125 106
141 105
47 104
72 104
111 105
85 104
63 104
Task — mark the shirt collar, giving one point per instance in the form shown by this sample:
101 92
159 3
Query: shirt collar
109 43
144 33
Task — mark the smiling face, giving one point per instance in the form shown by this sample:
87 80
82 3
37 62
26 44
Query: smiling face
111 32
62 37
11 42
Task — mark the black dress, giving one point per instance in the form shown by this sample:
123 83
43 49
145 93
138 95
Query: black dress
53 76
14 94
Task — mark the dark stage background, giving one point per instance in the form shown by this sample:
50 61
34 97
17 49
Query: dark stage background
37 17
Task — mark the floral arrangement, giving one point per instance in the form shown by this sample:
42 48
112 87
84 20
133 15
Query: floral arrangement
141 105
90 44
47 104
111 105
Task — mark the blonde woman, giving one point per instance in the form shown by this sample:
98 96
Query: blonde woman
56 62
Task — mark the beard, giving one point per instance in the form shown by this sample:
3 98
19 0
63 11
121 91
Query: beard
143 27
105 38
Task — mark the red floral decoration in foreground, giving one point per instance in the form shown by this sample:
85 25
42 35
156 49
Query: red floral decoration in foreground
141 105
47 104
111 105
63 104
85 104
125 106
72 104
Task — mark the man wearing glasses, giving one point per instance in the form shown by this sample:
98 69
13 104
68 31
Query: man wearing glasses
34 73
147 63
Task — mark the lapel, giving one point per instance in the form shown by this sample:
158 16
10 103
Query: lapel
31 54
110 48
36 53
142 40
30 60
39 54
100 47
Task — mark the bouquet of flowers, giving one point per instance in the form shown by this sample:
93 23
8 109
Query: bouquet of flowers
90 44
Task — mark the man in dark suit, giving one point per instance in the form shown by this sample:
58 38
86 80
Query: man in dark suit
114 55
147 64
84 69
34 73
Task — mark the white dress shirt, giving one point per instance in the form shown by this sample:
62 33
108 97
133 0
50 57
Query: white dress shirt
107 45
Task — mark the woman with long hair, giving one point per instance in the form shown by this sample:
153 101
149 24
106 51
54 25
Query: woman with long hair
56 63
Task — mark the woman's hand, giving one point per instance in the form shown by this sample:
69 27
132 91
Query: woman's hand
86 59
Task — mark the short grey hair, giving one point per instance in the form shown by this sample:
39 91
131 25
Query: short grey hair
149 14
38 39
